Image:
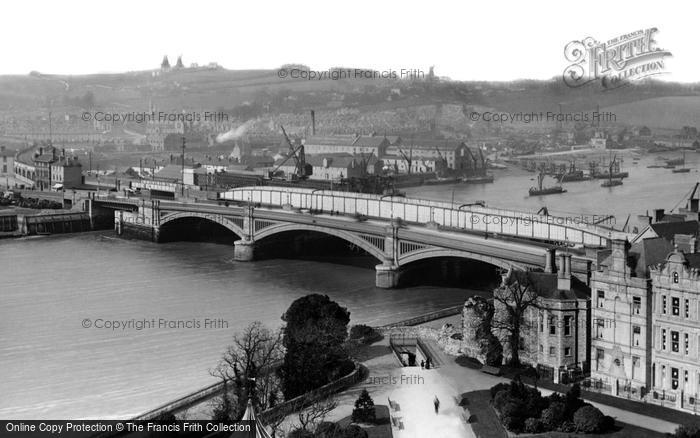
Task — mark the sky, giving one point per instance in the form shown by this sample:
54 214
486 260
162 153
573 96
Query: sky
464 40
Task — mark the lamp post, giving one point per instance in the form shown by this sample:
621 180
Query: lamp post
182 186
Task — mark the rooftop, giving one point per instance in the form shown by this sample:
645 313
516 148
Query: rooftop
545 285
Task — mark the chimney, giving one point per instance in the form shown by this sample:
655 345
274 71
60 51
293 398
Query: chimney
41 151
658 214
313 122
549 261
63 153
620 254
564 275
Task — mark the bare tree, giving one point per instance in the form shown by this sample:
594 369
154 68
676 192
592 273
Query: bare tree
247 368
310 417
511 302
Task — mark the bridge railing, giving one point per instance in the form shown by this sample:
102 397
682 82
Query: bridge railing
420 211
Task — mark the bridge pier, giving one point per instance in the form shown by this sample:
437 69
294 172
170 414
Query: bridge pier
244 250
387 276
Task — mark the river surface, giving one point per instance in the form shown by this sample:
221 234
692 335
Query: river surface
644 190
53 367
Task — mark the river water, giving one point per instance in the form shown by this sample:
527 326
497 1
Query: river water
53 367
644 190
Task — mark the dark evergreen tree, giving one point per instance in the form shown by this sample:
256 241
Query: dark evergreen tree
314 339
364 409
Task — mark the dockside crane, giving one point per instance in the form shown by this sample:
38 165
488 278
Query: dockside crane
301 169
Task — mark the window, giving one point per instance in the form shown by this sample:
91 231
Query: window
601 298
599 326
663 339
636 334
567 351
551 351
663 304
687 308
599 356
541 323
636 305
686 343
567 326
674 378
553 325
685 378
675 306
541 349
635 361
674 341
663 375
675 277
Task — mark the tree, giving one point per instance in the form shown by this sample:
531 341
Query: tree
364 409
246 369
309 418
314 338
511 301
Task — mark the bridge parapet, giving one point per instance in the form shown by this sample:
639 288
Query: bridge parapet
421 211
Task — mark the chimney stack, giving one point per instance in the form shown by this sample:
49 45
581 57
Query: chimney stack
550 266
41 151
313 122
564 275
658 214
620 254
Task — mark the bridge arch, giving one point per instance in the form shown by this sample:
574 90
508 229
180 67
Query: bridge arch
431 253
376 252
216 218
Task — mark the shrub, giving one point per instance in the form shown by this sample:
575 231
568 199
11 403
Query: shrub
364 409
687 432
609 424
553 416
513 424
589 419
500 400
364 334
514 408
327 429
568 427
498 388
353 431
300 433
533 425
535 403
513 415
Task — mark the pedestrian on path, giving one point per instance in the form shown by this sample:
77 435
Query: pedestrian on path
436 403
422 364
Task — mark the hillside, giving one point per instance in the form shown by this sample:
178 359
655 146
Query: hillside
250 93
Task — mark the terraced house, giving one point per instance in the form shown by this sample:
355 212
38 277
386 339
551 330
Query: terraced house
621 332
676 336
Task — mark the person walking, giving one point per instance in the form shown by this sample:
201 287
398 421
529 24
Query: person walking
436 403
